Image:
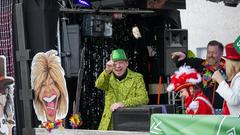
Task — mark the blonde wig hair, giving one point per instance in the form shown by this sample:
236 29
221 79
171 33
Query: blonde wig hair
232 68
44 65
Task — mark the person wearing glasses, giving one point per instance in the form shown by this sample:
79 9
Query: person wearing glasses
122 87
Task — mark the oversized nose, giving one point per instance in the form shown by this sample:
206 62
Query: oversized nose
48 89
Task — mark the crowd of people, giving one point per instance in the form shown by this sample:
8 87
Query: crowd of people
206 85
220 76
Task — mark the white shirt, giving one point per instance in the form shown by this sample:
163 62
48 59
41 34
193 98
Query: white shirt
231 94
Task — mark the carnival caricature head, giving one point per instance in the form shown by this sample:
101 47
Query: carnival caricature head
49 86
184 81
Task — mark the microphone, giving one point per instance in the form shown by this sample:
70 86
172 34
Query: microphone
223 73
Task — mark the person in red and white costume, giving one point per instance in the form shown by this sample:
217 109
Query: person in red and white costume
230 91
186 81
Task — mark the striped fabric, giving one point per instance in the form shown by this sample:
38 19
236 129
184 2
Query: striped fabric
6 36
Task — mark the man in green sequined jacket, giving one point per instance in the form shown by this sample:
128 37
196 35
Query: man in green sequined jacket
122 87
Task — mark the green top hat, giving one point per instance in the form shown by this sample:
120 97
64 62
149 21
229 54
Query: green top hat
118 54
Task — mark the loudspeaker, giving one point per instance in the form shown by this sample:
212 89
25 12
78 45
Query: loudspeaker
138 118
40 17
97 26
174 40
71 49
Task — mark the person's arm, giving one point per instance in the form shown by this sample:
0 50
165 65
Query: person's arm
102 81
180 59
193 108
193 62
141 96
230 94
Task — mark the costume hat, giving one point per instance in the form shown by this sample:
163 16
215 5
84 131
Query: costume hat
190 54
5 80
118 54
231 52
184 78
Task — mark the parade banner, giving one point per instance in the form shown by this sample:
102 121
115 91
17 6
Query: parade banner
180 124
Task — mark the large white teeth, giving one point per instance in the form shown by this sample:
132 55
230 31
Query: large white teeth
49 99
50 107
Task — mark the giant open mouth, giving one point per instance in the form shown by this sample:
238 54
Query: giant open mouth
50 104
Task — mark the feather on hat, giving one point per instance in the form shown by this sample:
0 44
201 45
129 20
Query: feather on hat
183 78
